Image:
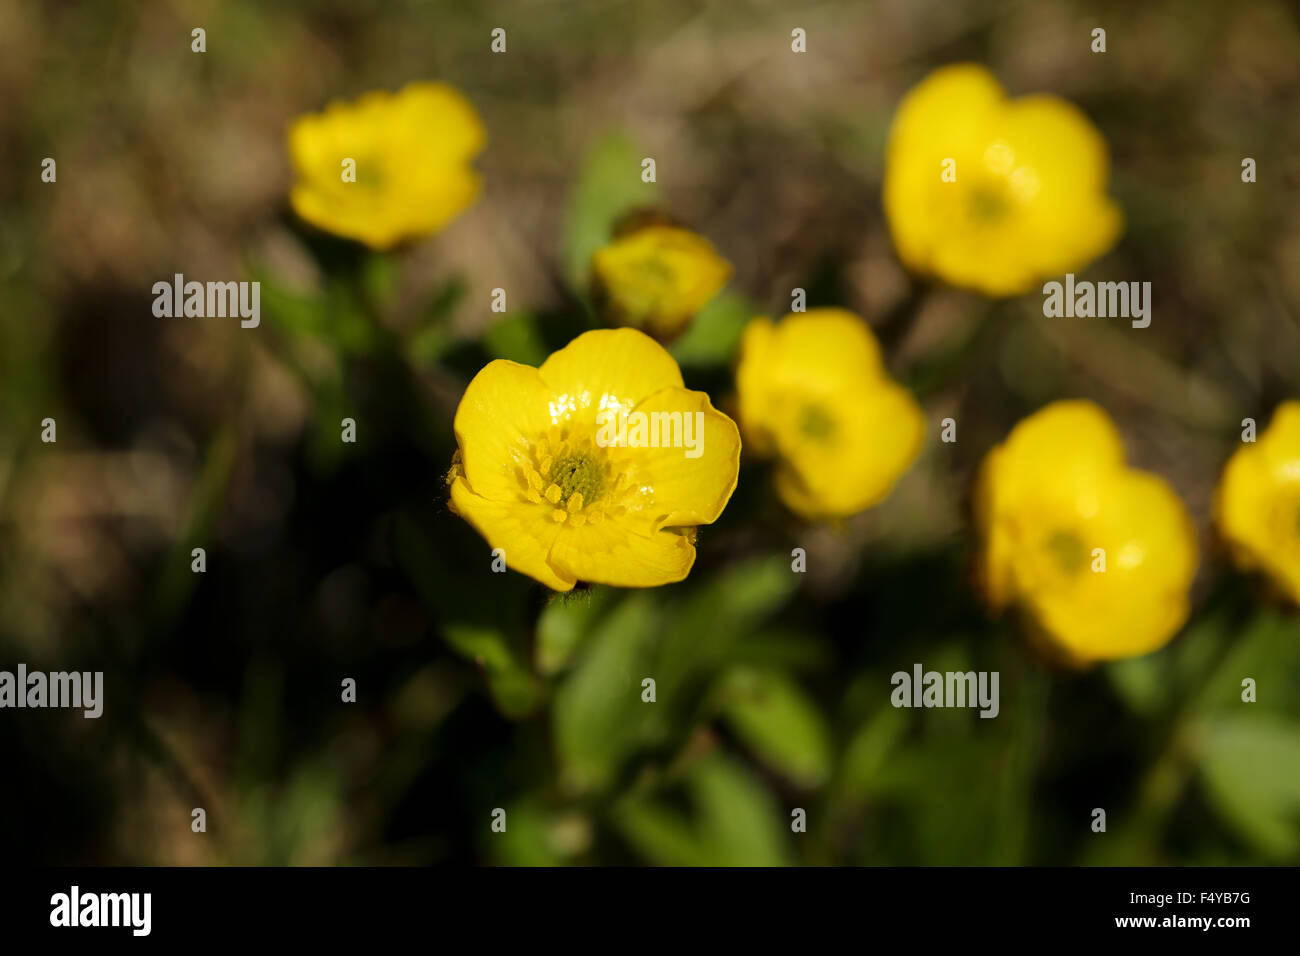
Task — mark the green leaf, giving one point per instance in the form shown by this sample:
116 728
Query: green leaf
379 278
515 337
609 185
177 582
1142 682
870 747
599 717
479 631
516 692
774 717
789 649
481 643
287 309
526 840
429 344
432 336
734 821
1267 648
922 782
713 337
1251 768
351 325
565 623
661 836
739 822
717 613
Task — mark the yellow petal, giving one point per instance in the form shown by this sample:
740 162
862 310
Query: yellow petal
691 485
753 373
658 277
411 152
824 350
944 113
437 121
813 389
1257 502
813 354
1061 449
609 368
505 406
1070 220
993 194
1101 557
524 532
1140 600
612 553
345 215
1280 442
948 115
876 435
994 564
1057 459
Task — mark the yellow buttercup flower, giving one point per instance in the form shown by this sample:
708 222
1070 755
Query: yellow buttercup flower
814 393
1257 504
388 167
658 277
1098 556
597 466
994 194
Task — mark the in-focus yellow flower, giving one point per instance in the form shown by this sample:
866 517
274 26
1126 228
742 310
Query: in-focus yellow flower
814 394
387 167
1098 556
1257 505
597 467
658 277
1027 197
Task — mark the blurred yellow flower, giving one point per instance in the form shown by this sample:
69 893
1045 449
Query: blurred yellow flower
1098 556
994 194
814 393
657 277
1257 505
387 167
557 467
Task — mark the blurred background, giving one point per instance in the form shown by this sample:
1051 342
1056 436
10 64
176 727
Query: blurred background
476 691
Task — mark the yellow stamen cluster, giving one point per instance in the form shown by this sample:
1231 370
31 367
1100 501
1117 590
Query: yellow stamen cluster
572 476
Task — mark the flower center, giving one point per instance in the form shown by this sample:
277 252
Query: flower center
578 475
987 204
370 174
573 478
654 271
1067 551
816 422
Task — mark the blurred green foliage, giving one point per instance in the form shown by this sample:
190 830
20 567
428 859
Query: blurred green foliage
479 691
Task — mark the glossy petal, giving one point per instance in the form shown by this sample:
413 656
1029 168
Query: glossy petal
658 277
614 553
995 194
813 392
539 475
877 435
523 534
691 484
1257 503
505 406
411 152
1099 556
1055 460
609 368
1141 599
